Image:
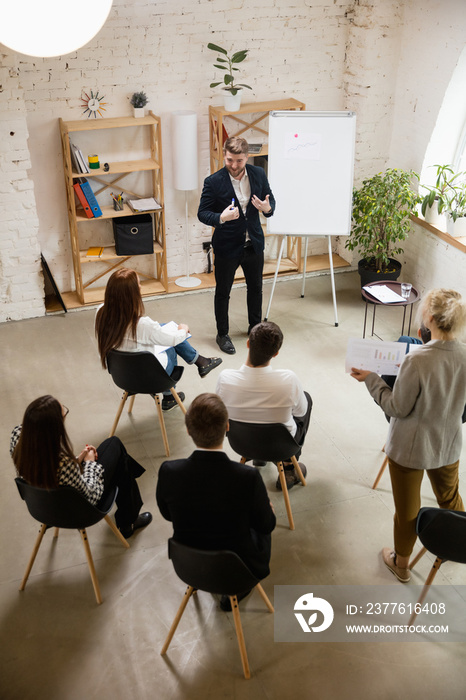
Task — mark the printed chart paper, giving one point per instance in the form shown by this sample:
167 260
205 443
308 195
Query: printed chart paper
374 355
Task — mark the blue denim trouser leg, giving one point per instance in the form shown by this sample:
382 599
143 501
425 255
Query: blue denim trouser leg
185 351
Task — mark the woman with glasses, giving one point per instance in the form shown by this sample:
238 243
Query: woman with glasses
44 457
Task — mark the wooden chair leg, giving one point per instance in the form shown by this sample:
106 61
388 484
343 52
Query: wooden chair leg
240 636
162 424
117 417
436 566
90 563
243 460
298 470
131 403
118 534
178 400
187 595
418 556
381 471
286 495
56 531
33 556
265 598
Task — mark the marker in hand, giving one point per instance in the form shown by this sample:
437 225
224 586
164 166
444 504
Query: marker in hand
232 206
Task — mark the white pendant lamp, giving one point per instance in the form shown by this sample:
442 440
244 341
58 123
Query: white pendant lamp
184 139
51 27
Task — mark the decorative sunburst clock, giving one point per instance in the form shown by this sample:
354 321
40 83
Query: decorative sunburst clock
93 104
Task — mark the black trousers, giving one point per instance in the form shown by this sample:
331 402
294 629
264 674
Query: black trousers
225 269
302 425
121 470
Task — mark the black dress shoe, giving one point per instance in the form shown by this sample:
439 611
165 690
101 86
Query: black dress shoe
142 520
259 463
212 363
169 402
225 344
225 603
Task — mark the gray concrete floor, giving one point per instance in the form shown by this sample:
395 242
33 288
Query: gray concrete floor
58 644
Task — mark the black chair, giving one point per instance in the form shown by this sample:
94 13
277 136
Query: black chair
66 508
142 373
219 572
442 532
267 442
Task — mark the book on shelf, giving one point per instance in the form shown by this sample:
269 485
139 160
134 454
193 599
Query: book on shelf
144 204
90 196
95 251
77 159
83 201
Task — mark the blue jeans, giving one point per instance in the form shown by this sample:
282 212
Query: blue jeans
187 353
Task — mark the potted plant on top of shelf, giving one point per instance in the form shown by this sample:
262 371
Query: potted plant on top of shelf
382 206
447 196
233 91
138 101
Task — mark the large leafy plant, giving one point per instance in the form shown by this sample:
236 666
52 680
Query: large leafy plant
228 64
382 206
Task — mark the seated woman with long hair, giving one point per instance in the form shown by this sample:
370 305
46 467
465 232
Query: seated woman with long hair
43 456
121 324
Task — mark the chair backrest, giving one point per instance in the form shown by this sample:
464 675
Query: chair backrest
221 571
140 372
270 442
63 507
443 532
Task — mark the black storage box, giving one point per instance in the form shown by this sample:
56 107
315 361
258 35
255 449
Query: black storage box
134 235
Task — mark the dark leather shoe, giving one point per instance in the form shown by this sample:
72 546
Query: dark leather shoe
169 402
142 520
258 463
212 363
225 603
225 344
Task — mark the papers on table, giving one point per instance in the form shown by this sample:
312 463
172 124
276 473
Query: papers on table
375 355
171 327
384 294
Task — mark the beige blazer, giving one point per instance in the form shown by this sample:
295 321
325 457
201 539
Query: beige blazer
425 405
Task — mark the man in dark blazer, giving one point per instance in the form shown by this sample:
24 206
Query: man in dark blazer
230 202
213 502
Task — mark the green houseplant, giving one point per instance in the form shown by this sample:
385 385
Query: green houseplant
228 64
447 196
138 101
382 206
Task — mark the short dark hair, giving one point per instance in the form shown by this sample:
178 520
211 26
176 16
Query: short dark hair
207 420
265 340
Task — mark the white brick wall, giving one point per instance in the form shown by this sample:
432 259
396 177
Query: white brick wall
369 57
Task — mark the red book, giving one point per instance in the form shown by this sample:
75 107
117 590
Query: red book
84 203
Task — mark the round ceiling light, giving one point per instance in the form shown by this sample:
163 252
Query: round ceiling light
51 27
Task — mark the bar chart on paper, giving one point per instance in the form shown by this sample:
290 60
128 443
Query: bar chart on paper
374 355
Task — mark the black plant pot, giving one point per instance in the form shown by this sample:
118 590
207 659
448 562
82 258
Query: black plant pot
369 273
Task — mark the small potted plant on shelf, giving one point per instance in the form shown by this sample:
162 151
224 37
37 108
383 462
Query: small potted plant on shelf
382 206
233 91
138 101
444 205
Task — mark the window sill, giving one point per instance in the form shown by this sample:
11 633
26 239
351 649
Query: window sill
459 243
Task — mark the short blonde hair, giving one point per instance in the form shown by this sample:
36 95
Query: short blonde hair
447 308
236 145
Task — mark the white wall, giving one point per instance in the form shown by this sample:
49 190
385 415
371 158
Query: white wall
365 56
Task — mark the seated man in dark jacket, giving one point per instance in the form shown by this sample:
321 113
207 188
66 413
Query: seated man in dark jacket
213 502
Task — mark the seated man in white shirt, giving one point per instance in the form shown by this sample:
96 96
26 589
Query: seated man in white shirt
256 393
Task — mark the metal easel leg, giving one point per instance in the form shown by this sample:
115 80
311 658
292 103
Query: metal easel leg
275 278
332 278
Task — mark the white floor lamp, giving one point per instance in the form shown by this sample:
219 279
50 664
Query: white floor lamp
184 139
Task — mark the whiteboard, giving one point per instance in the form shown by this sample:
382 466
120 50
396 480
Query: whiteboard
311 165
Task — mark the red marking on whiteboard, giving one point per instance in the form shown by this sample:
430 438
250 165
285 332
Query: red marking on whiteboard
296 136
